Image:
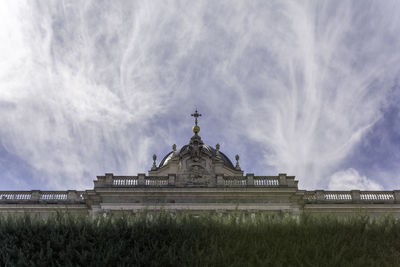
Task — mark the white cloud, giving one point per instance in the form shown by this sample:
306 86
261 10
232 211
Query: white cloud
330 69
83 86
350 179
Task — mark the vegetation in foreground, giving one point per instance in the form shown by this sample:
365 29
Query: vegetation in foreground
209 240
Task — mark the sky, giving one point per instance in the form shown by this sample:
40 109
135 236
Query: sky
307 88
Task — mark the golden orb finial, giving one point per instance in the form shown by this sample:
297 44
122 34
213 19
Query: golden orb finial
196 129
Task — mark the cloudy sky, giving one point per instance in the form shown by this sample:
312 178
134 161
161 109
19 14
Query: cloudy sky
309 88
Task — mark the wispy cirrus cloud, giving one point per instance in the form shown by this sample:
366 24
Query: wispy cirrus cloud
89 87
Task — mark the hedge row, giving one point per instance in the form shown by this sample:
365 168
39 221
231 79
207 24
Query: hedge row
209 240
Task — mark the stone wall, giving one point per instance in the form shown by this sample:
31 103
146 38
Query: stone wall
270 194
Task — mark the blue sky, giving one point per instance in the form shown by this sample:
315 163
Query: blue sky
309 88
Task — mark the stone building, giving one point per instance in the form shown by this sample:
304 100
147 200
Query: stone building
200 178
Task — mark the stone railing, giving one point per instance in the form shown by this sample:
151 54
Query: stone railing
53 196
377 195
234 181
125 181
15 195
156 180
266 181
337 195
354 196
109 180
41 196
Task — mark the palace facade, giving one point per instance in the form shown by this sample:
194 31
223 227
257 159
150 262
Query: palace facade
200 178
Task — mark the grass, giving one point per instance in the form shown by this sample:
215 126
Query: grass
209 240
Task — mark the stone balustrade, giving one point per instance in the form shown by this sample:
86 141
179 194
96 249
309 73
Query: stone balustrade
156 181
377 195
15 195
133 181
317 196
41 196
236 181
266 181
54 196
125 181
354 196
338 195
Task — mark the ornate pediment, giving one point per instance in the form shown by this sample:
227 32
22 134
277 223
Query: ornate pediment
196 164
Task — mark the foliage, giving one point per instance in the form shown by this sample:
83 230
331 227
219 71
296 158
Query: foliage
163 239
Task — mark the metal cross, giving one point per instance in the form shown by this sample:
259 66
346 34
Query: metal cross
196 115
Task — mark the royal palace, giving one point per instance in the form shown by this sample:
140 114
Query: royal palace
200 178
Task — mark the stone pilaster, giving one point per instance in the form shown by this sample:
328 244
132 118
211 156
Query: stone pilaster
396 194
291 182
355 196
141 179
171 179
109 178
250 179
72 195
220 179
320 194
35 195
282 179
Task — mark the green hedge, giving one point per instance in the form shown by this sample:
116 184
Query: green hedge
210 240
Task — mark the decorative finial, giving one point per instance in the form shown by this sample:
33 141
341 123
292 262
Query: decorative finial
174 147
196 128
154 162
237 162
217 151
